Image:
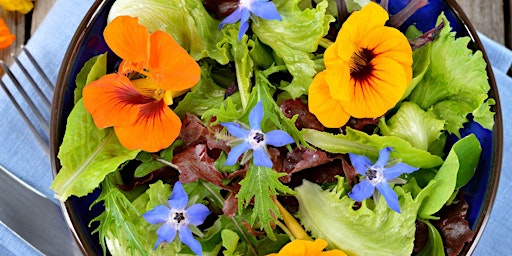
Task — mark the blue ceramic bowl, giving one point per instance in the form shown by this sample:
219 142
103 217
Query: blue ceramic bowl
88 42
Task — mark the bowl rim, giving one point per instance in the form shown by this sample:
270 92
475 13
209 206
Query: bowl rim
78 38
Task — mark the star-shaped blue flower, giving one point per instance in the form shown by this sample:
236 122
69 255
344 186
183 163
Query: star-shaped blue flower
377 176
262 8
176 218
255 139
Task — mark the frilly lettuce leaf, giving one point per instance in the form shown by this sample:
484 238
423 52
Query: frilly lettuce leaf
455 83
294 39
87 155
373 229
186 20
360 143
413 124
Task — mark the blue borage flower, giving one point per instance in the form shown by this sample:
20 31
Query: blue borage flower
262 8
378 176
253 138
176 218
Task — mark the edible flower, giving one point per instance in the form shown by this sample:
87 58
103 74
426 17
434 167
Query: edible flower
368 69
155 68
378 176
253 138
262 8
176 218
6 38
21 6
300 247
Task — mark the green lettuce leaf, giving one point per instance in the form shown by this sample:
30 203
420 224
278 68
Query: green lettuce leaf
455 83
186 20
93 69
87 155
373 229
434 244
294 39
360 143
458 168
413 124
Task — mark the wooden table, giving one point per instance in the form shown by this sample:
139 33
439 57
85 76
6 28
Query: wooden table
490 17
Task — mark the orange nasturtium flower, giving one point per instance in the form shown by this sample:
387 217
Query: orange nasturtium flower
22 6
300 247
368 69
155 68
6 38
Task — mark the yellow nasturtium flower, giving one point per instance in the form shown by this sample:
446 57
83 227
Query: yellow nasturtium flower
22 6
368 69
300 247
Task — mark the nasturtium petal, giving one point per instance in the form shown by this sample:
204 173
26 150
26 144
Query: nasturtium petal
128 39
328 110
112 100
156 117
170 65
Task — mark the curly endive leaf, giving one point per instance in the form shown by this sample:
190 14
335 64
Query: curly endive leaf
87 155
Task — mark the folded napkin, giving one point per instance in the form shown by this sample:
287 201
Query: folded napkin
21 154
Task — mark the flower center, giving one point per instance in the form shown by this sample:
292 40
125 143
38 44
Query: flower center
178 218
360 65
246 3
374 175
256 139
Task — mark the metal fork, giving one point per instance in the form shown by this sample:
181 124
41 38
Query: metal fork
25 211
41 113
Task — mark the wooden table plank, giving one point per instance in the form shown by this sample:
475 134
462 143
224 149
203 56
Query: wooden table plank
486 17
17 24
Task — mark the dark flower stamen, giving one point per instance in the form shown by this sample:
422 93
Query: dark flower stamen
259 137
371 174
179 217
361 67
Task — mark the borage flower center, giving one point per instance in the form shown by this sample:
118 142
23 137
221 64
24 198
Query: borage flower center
374 175
360 64
256 139
178 218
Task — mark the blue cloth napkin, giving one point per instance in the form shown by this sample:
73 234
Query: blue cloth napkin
21 154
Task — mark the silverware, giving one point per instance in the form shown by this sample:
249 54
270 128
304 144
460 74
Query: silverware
24 210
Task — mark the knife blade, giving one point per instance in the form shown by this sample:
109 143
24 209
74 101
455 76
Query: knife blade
34 217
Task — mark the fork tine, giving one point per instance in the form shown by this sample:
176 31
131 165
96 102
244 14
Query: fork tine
34 131
27 98
50 85
39 92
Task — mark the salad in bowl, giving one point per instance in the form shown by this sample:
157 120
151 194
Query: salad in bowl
258 127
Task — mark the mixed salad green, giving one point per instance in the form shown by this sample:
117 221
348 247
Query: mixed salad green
274 64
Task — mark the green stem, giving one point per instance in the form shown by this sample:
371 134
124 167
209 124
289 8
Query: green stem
324 42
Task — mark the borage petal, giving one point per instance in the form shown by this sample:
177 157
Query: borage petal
244 23
112 100
256 116
155 128
232 18
361 191
390 196
236 130
236 152
166 233
265 9
187 238
383 157
179 198
261 158
159 214
397 170
171 67
361 163
278 138
197 213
